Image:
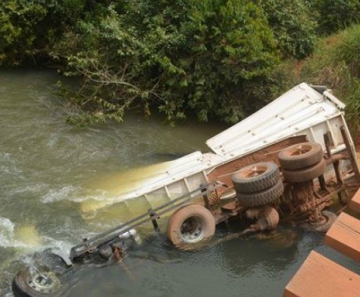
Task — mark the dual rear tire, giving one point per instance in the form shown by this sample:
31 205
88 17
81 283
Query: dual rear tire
302 162
258 184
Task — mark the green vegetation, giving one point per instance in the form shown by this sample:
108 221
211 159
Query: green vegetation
334 63
188 59
211 58
292 26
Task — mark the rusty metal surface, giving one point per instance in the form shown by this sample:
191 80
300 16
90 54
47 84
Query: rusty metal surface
223 173
267 218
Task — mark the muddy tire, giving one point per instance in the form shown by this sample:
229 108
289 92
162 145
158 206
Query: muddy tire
305 174
256 177
330 218
300 156
44 284
262 197
190 225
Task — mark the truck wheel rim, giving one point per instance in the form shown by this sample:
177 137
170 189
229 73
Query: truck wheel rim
192 230
45 282
300 150
255 171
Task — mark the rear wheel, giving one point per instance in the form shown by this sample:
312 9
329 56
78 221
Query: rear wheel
190 225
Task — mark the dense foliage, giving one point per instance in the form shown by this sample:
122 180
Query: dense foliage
188 58
20 32
292 25
336 14
29 28
212 58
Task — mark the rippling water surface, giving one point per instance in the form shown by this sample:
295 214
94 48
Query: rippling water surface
55 179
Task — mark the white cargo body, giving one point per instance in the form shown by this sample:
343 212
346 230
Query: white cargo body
300 111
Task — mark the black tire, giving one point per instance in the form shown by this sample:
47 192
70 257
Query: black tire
49 277
191 224
263 197
300 155
256 177
27 285
306 174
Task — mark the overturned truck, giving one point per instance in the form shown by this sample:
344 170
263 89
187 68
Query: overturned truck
290 161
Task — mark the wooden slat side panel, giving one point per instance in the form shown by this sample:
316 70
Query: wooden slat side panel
344 236
355 202
321 277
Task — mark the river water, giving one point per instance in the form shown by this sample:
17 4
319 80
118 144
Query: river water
54 179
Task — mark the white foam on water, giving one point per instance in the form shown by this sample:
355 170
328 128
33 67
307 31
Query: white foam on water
8 166
6 232
5 156
10 170
53 140
33 188
64 193
98 196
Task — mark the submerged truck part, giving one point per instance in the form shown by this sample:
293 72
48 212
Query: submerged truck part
53 279
267 218
49 275
52 274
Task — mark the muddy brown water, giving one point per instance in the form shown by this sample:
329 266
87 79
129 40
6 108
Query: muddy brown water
54 177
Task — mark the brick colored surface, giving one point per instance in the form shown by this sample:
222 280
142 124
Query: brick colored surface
344 236
355 202
320 277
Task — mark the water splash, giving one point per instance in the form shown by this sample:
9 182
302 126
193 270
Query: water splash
53 243
23 237
26 239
